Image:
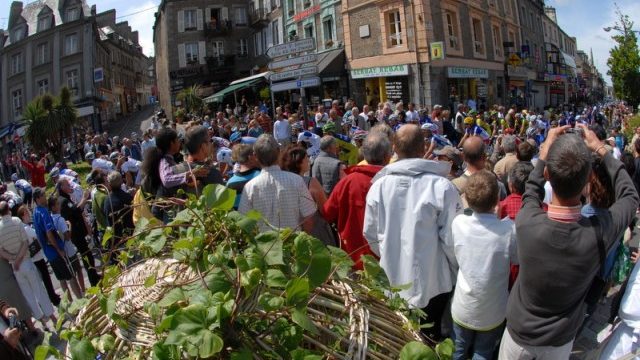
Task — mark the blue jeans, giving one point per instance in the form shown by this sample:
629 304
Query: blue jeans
483 343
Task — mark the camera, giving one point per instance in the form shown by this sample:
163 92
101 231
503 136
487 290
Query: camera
15 323
576 131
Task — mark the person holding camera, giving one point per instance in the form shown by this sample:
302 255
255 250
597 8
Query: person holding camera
10 333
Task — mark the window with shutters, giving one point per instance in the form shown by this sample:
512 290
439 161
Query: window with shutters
71 44
291 7
241 16
190 20
42 53
16 102
478 37
242 49
452 31
191 53
42 86
394 29
17 64
217 49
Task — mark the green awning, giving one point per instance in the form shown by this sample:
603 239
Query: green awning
219 96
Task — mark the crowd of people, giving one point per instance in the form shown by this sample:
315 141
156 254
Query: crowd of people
505 225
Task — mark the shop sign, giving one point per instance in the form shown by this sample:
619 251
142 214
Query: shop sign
437 50
463 72
514 60
296 84
187 72
98 75
380 71
482 90
555 77
305 14
396 89
517 71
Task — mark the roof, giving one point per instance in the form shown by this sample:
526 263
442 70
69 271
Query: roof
31 11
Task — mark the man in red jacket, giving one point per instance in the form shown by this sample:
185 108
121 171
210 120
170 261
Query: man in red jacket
36 170
345 207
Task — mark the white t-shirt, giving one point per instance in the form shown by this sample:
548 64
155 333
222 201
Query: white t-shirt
282 130
61 227
131 165
412 116
321 119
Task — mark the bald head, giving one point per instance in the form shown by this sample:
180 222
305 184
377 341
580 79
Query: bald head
4 208
473 151
409 142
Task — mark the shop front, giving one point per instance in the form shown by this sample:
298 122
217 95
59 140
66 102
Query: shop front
382 84
519 93
469 83
558 89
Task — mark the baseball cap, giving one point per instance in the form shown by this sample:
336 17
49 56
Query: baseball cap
450 152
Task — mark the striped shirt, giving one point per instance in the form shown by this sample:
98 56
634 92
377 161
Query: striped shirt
565 214
12 235
281 197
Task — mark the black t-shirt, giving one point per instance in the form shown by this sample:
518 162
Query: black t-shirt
73 215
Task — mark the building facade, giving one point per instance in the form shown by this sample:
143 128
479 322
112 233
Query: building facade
198 42
527 84
50 44
561 50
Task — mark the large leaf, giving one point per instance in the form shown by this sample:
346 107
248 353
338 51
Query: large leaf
218 197
297 291
445 349
270 246
300 317
210 344
417 351
312 259
82 350
172 297
190 320
43 351
276 279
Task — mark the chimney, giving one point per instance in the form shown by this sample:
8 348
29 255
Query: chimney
93 10
14 13
551 13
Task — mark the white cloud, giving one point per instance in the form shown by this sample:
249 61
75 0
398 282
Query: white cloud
142 22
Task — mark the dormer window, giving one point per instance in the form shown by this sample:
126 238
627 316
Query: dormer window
72 14
19 33
44 23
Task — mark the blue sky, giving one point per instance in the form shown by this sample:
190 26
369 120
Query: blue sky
583 19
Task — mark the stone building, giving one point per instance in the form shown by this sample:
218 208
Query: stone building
51 44
128 64
198 42
527 84
561 50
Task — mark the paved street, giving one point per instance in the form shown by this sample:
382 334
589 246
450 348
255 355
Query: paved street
136 122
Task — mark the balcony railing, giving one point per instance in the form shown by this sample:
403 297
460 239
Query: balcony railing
259 17
217 28
220 62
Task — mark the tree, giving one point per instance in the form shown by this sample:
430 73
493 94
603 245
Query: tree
49 119
191 99
624 61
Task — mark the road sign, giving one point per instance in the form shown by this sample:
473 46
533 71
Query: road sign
304 59
514 60
296 84
292 47
310 70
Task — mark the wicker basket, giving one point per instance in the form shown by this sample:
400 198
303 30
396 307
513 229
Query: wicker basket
352 324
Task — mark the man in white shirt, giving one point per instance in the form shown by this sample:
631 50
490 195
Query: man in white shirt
321 117
407 222
281 197
282 131
412 115
100 164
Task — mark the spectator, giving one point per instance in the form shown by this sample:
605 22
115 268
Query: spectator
557 249
64 233
200 149
10 338
296 160
282 131
73 212
345 207
97 202
510 206
409 202
36 170
280 196
52 244
24 187
14 248
326 167
117 209
503 166
37 255
480 300
243 154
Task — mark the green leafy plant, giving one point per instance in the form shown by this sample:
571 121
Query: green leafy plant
211 286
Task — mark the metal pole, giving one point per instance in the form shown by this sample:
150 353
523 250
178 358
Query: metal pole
273 101
303 101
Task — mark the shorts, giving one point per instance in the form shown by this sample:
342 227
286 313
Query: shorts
61 269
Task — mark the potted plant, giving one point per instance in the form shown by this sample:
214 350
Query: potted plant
179 115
